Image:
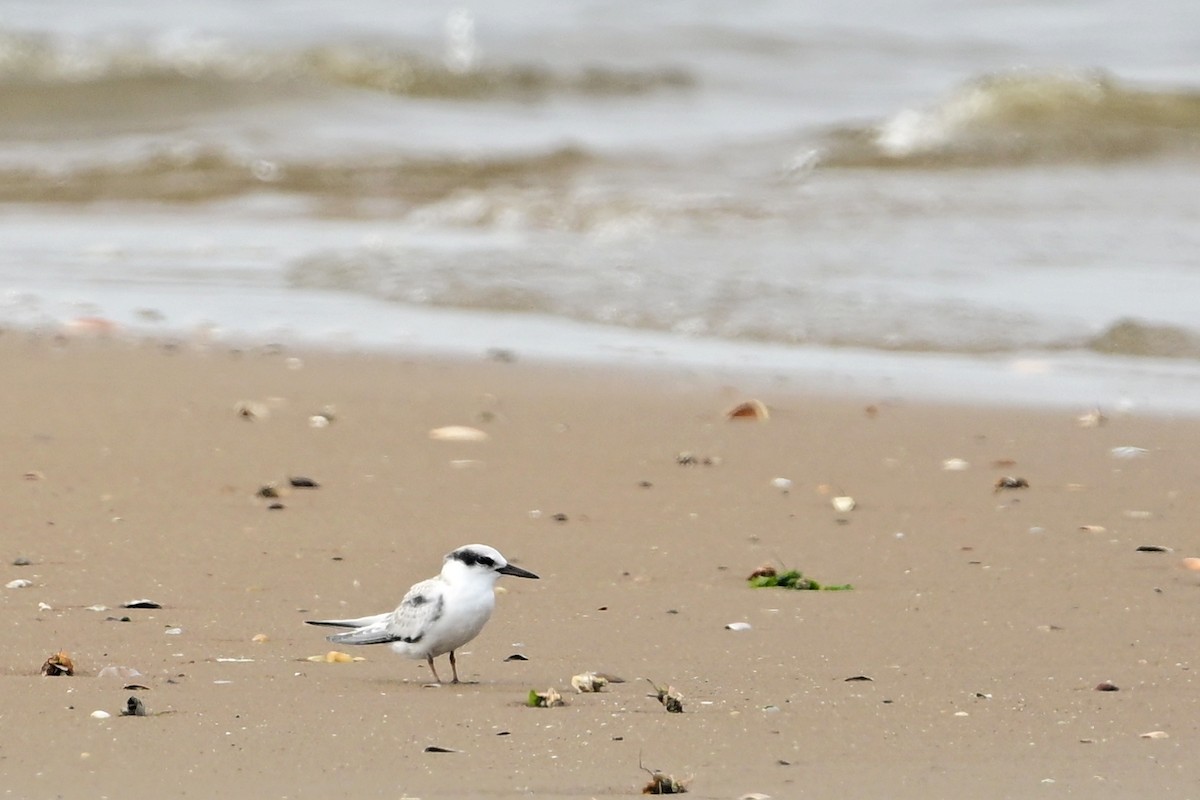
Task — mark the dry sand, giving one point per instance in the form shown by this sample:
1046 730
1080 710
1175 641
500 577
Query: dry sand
985 619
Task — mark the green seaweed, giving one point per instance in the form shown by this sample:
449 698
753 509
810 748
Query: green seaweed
794 579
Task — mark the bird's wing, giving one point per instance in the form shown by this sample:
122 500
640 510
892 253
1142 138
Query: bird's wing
419 609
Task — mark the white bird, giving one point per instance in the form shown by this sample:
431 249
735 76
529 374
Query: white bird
438 615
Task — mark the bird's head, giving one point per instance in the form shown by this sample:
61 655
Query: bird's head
480 560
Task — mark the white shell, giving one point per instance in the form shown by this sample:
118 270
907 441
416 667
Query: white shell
458 433
782 484
955 465
843 503
738 626
100 714
1129 452
19 583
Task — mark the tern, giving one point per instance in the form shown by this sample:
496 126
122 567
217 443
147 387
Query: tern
438 615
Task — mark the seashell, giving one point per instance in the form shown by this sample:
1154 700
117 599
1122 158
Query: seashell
547 699
91 326
750 409
19 583
1191 563
1093 528
458 433
34 475
1155 735
1092 419
301 482
1010 482
141 604
588 682
124 673
58 664
955 465
1107 686
782 484
1129 452
259 638
100 715
738 626
843 503
318 421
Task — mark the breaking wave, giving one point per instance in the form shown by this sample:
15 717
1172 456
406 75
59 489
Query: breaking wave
30 59
1027 117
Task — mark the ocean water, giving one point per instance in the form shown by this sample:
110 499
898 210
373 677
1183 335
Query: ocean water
989 199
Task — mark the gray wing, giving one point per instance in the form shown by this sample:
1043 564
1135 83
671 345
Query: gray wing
419 609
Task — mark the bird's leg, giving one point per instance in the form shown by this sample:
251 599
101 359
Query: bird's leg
453 667
434 669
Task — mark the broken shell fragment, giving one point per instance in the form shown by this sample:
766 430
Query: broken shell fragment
259 638
1010 482
738 626
750 409
665 784
1092 528
669 696
458 433
547 699
19 583
843 503
1155 735
1107 686
134 707
335 657
955 465
58 664
765 571
782 484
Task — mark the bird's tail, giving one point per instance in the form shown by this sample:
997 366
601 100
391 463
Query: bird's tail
361 622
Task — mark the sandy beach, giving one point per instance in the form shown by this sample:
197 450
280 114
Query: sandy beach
963 663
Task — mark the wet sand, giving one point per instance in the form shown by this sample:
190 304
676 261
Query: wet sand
984 619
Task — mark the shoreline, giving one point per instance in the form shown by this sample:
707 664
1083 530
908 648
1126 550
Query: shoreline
1082 382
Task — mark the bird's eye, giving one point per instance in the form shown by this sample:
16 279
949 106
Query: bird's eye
487 562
